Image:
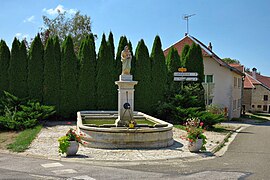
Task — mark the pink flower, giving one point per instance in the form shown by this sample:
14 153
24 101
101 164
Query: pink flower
201 124
68 122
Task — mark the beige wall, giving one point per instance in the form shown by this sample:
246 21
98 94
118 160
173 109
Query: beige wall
247 99
224 91
257 99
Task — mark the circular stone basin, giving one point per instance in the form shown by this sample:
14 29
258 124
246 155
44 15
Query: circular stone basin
157 136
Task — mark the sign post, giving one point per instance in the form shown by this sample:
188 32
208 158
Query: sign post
183 75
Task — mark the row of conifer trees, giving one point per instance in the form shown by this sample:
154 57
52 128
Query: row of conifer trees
55 75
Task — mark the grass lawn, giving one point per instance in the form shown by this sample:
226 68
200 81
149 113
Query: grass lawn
112 121
23 139
258 118
217 128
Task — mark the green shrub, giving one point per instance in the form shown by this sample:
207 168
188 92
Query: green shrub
209 119
18 114
185 104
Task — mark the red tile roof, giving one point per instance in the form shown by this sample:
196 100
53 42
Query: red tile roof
265 80
249 82
238 66
205 51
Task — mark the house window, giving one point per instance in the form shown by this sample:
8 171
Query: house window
239 82
235 82
234 104
259 106
264 107
208 79
265 97
252 106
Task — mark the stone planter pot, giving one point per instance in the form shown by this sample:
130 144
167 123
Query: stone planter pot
195 146
73 148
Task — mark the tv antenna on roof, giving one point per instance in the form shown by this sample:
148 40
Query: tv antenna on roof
186 17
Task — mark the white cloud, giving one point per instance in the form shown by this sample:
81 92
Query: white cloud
60 8
18 34
21 35
30 19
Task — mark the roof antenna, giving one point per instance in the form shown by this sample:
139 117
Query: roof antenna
186 17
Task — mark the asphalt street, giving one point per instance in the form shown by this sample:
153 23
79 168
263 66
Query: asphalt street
247 157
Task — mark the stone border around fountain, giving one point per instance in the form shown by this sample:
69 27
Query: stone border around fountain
123 137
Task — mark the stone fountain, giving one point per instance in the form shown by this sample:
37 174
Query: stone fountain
119 135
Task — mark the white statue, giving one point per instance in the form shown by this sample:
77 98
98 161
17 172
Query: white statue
126 61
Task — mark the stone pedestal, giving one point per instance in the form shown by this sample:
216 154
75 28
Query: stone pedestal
125 95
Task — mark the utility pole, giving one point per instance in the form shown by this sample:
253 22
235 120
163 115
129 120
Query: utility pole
186 17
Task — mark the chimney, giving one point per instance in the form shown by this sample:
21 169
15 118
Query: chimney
210 46
254 71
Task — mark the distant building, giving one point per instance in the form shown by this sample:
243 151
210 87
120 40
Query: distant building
256 97
223 83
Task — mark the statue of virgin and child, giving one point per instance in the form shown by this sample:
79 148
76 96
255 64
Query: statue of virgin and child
126 61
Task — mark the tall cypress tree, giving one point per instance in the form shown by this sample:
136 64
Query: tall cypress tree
14 65
106 88
87 75
111 42
4 65
18 70
51 88
68 106
142 74
159 72
24 70
194 61
118 64
173 63
57 54
35 69
184 54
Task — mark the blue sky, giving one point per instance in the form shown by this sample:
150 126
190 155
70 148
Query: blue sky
237 29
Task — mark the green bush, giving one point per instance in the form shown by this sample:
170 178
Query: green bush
209 119
185 104
18 114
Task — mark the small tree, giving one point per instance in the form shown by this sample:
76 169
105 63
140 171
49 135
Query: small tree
78 27
143 100
87 75
4 65
68 79
35 69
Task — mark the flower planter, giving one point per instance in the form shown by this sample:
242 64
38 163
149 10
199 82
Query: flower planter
195 146
73 148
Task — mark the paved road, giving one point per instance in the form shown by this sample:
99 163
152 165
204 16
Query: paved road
248 157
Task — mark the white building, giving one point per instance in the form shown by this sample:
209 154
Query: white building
223 83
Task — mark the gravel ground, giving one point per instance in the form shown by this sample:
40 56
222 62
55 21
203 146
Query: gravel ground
46 145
